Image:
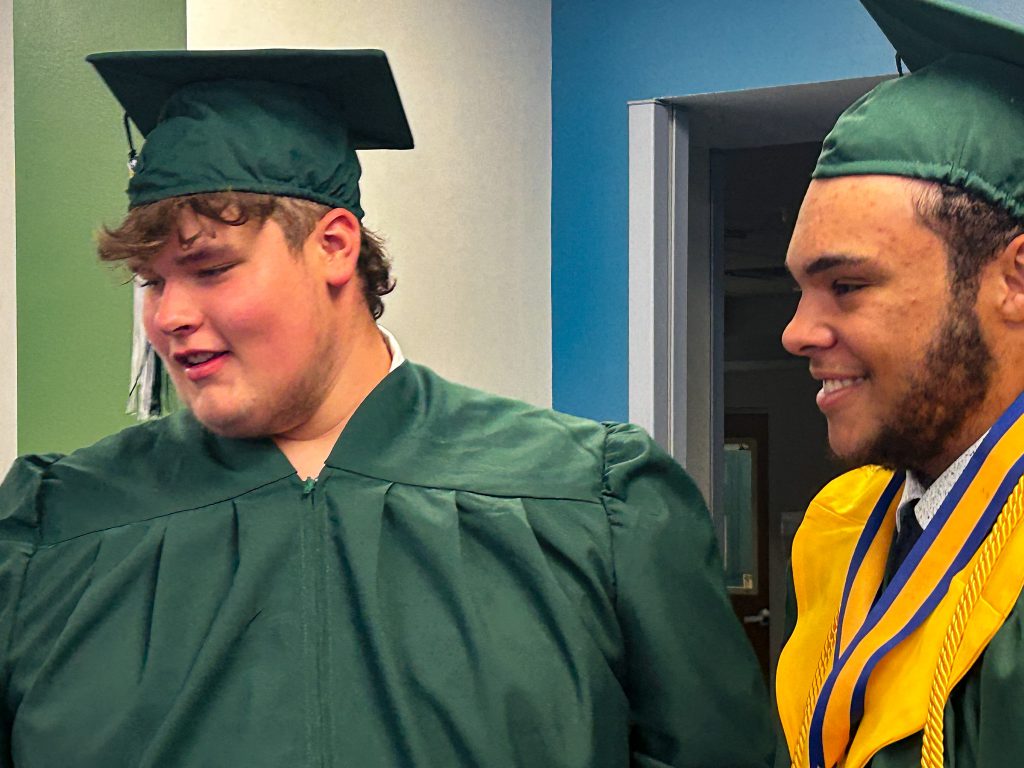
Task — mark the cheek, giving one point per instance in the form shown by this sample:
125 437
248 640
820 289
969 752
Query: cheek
890 334
247 310
276 324
243 319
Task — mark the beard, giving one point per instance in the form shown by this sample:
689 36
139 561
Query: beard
939 397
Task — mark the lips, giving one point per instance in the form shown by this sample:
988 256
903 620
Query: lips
828 386
191 357
197 359
200 364
834 389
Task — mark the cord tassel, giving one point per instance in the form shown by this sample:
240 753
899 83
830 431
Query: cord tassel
146 385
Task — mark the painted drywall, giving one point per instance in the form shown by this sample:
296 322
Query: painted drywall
8 311
467 213
74 316
605 53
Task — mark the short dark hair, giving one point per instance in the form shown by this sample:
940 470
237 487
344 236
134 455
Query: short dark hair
147 228
974 230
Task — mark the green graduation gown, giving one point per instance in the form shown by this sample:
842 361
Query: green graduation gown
471 581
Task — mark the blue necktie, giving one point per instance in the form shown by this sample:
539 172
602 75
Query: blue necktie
909 532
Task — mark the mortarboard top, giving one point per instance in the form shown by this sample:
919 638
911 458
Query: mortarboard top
956 119
279 121
924 32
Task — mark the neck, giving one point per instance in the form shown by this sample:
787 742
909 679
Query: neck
973 427
364 363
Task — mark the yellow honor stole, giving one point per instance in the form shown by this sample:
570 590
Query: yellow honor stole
860 673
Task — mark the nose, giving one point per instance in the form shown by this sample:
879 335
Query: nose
174 310
808 331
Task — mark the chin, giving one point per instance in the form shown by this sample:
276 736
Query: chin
850 451
231 424
841 445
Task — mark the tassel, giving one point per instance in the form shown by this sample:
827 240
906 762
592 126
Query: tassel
146 386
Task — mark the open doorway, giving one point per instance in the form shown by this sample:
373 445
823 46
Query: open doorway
715 184
761 190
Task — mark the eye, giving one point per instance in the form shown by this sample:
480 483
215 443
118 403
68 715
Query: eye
215 271
844 287
148 282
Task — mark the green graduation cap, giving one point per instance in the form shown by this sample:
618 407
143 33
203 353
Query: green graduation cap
283 122
958 118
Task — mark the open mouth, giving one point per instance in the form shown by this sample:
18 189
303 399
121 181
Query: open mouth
193 359
835 391
830 386
201 365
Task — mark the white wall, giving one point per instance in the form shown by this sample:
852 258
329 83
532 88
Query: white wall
467 214
8 315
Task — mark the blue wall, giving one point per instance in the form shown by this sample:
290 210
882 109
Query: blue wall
605 54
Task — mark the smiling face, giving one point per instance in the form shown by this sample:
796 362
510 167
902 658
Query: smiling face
243 325
902 361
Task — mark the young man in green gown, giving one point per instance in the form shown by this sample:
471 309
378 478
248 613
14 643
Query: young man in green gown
908 644
334 557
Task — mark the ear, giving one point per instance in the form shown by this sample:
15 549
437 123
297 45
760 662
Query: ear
336 239
1010 263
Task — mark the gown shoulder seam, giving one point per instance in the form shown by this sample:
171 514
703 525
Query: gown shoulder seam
468 489
170 513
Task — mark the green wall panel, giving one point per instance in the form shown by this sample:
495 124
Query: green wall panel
74 314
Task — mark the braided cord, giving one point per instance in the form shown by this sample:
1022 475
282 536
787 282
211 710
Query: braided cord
800 757
995 542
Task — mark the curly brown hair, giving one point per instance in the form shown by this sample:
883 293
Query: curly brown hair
147 228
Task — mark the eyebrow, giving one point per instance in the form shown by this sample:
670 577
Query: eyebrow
831 261
203 253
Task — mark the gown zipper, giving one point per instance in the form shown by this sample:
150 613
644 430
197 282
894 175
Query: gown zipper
315 624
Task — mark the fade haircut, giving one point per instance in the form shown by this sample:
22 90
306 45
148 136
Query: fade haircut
147 229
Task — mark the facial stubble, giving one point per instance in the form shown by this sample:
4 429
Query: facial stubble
288 404
939 397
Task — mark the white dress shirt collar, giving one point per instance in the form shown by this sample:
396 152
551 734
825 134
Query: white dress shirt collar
397 358
931 496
